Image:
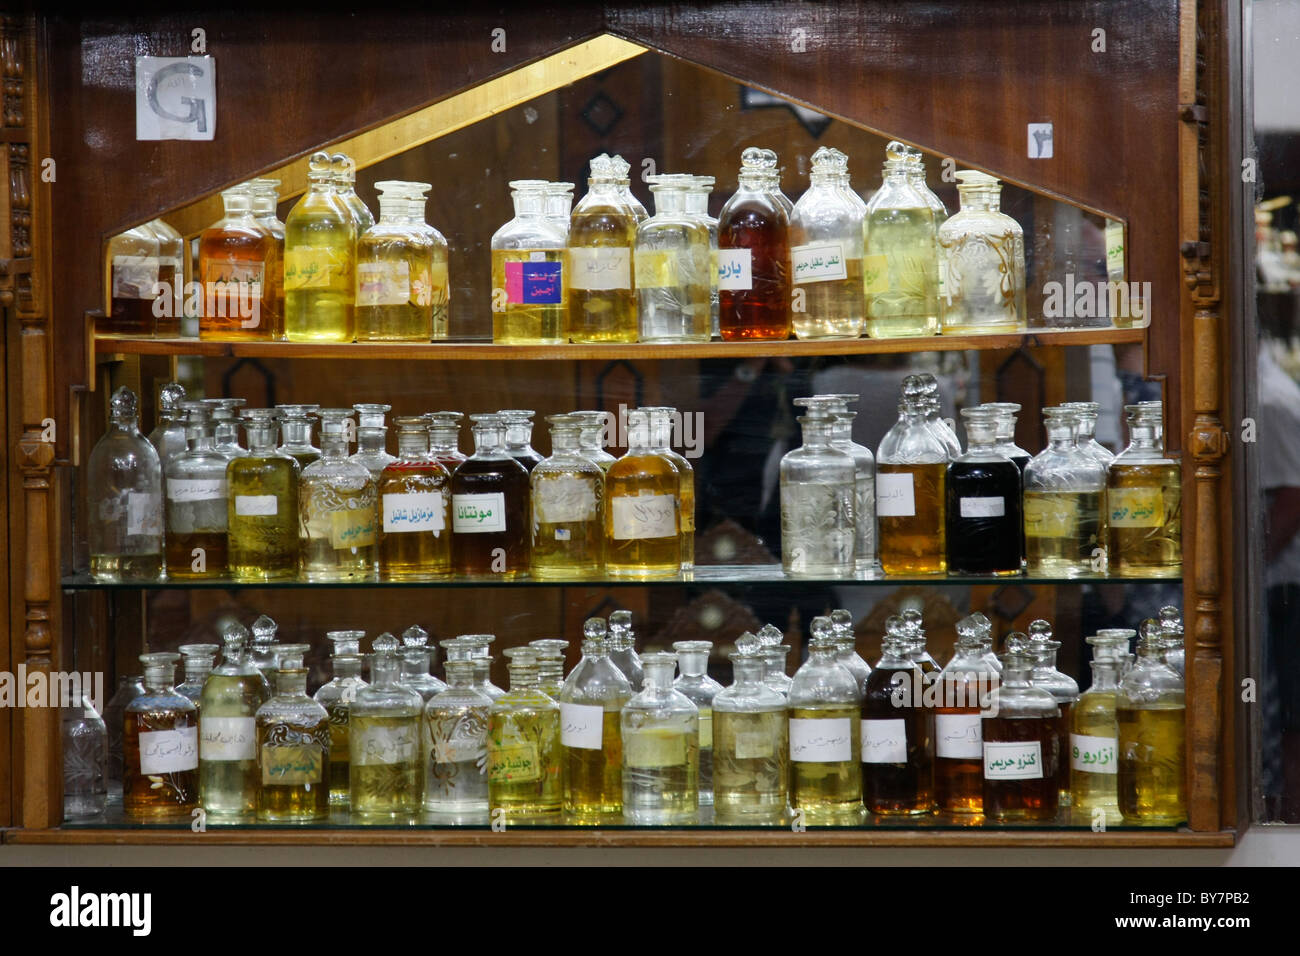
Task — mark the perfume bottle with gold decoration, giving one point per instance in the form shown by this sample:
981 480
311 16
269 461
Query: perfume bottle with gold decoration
661 749
293 746
524 765
386 772
160 745
642 508
320 257
591 735
337 508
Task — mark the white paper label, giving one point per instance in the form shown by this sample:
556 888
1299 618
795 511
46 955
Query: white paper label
958 736
256 506
646 516
600 269
820 740
706 728
227 738
169 751
383 745
818 263
884 741
560 500
414 511
476 514
581 726
895 497
734 269
143 513
383 283
650 750
1094 754
196 489
983 507
134 277
1015 760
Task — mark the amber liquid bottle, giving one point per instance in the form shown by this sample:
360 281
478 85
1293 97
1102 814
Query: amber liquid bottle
642 509
602 230
135 275
753 260
1022 748
897 741
160 746
237 268
414 512
958 736
489 506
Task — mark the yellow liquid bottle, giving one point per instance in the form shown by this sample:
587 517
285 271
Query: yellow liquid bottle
642 512
438 287
663 421
602 232
1150 712
751 747
591 736
528 281
826 245
900 271
394 273
320 254
337 508
568 508
262 505
523 758
1144 503
293 746
386 773
1065 495
1094 746
414 509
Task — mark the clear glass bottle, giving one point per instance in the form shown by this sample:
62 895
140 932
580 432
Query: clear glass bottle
864 480
774 655
818 530
434 289
394 272
337 505
983 250
134 261
124 499
168 436
519 436
386 771
591 735
262 507
1065 491
897 741
825 735
414 509
160 746
1171 626
1041 650
129 687
528 282
490 506
336 697
456 722
320 257
295 431
916 179
226 414
444 439
826 233
591 439
559 205
622 649
1150 710
417 656
85 762
673 259
372 439
266 201
550 665
621 169
984 526
196 509
196 665
1094 745
753 258
1144 502
1007 413
698 189
524 754
568 508
237 255
662 426
228 769
964 684
911 468
900 269
847 643
1087 431
474 647
642 509
923 388
661 750
598 259
345 178
293 746
1022 748
694 681
171 276
751 752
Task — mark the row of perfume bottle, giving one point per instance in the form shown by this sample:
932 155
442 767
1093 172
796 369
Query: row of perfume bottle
921 505
197 505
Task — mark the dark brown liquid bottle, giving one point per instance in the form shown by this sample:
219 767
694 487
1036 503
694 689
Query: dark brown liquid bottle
897 737
489 507
753 259
1022 748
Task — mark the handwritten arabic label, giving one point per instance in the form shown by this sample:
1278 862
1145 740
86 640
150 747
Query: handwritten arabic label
875 274
291 766
478 514
227 738
652 749
1015 760
600 268
535 282
256 506
383 745
135 276
656 269
514 763
234 282
1094 754
352 528
562 499
414 511
582 726
734 270
958 736
1136 507
196 489
1049 515
820 739
645 516
383 283
316 267
818 262
895 496
884 740
983 507
169 751
143 513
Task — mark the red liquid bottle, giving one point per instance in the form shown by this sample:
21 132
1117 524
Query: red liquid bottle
754 258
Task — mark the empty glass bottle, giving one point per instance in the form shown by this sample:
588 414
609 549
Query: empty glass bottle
386 772
591 735
293 740
1064 494
337 508
751 746
568 508
1144 502
196 665
965 684
295 432
698 189
528 282
455 744
417 658
415 509
196 491
169 436
124 499
160 745
372 435
984 527
818 483
673 259
524 754
984 254
911 468
1087 430
897 740
228 770
622 649
85 762
1150 711
826 232
661 742
825 735
320 256
394 268
1094 744
336 697
694 681
753 258
262 505
602 232
491 529
642 508
237 256
899 265
1022 747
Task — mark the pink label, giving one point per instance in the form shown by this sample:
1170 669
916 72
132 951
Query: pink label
514 281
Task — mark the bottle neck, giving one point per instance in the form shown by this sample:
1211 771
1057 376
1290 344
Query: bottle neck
296 431
817 433
372 440
523 676
444 439
197 669
1061 436
565 440
460 674
670 201
384 669
347 666
489 439
748 670
529 204
261 438
1105 675
291 680
657 675
413 442
416 664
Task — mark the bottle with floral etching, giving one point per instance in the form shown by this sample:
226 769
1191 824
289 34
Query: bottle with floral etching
337 508
293 746
386 772
984 254
817 495
751 747
455 744
899 266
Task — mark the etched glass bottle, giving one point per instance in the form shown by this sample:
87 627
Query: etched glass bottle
169 434
1094 744
320 255
1150 710
85 761
519 436
124 499
528 282
661 750
591 735
622 649
196 665
1065 491
753 258
266 200
864 479
237 257
817 493
196 488
160 746
897 741
295 433
228 770
899 266
1022 747
455 747
911 467
293 747
386 772
337 697
524 754
826 234
964 685
431 290
262 505
414 509
673 259
662 418
984 526
1041 650
417 656
983 250
694 681
489 506
1087 430
337 508
568 508
698 189
751 746
1144 502
598 259
642 508
394 268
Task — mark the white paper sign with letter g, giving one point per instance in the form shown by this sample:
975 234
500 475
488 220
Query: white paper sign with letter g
175 97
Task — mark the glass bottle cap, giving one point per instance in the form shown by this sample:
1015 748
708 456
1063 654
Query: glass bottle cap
264 629
320 165
384 644
770 635
199 650
234 633
170 396
125 403
345 167
594 629
747 645
415 636
290 657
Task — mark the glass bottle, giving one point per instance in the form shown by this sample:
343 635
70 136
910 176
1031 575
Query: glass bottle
698 189
550 665
661 744
196 492
818 530
336 697
386 771
1064 494
1087 431
129 687
372 439
528 283
753 258
1022 748
85 762
293 746
826 256
767 161
899 266
295 431
897 741
171 277
568 508
228 770
417 656
622 649
847 647
916 179
433 290
320 256
262 507
642 509
337 505
673 260
1171 625
559 205
124 499
591 735
1006 414
196 665
864 479
1094 744
456 722
964 685
751 746
694 681
444 439
1144 503
591 439
266 200
825 735
911 468
984 525
524 754
774 655
489 506
264 652
1041 650
474 647
598 259
622 168
345 178
394 271
414 509
914 641
134 259
160 746
168 436
984 256
1150 709
924 387
225 417
662 421
236 256
519 436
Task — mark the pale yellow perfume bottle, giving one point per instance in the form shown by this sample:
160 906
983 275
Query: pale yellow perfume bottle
386 769
528 283
320 256
524 770
293 746
568 507
602 232
394 268
642 518
337 508
415 509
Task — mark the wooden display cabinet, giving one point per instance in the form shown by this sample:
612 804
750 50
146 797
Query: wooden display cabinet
1139 136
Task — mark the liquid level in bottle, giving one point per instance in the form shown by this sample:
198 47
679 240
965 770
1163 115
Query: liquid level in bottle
901 274
388 789
751 766
1063 529
126 567
504 554
829 792
979 539
763 310
320 276
263 547
1036 798
593 779
156 795
904 787
601 315
1152 762
520 323
915 544
833 309
663 792
958 781
630 478
1145 527
182 558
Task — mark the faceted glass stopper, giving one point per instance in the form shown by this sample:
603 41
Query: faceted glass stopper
748 645
770 635
594 629
170 396
125 403
384 644
822 629
415 636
